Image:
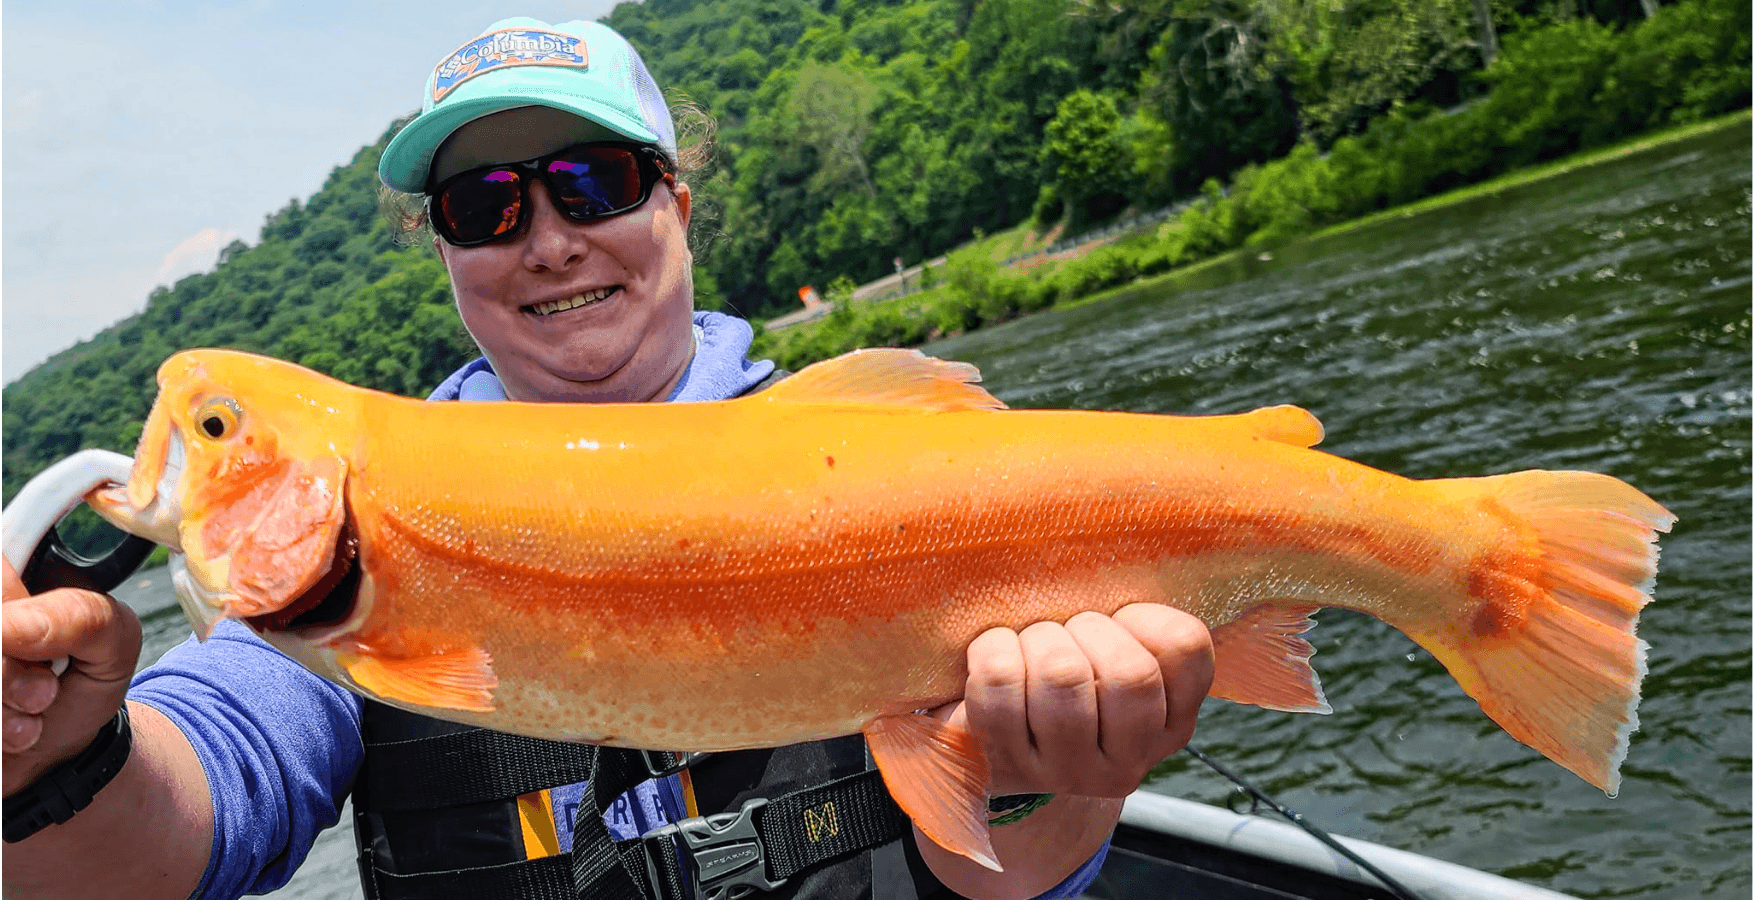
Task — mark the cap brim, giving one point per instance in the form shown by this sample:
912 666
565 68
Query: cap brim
408 158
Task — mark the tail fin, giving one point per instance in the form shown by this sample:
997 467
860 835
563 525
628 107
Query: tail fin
1550 651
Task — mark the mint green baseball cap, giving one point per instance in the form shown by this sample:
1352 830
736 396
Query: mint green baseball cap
584 68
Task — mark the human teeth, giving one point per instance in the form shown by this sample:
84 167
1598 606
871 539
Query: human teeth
577 300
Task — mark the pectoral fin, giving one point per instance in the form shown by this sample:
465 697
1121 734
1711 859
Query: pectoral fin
938 775
446 679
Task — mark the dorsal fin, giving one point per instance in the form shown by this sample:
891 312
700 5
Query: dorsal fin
888 376
1285 423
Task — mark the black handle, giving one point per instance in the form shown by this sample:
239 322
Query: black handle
53 564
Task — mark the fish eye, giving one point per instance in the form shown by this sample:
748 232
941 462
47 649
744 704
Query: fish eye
218 419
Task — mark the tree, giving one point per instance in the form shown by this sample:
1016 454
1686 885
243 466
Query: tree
1349 61
1211 80
232 251
829 109
1489 37
1085 160
321 239
1150 149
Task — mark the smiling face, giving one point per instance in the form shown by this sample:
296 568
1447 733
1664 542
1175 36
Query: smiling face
591 312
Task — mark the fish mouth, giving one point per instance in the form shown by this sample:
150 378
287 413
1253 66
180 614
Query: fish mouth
160 520
329 603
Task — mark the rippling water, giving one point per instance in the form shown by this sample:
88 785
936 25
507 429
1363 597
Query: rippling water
1599 320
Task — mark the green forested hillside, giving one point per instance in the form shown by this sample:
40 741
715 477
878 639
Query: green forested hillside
851 132
858 131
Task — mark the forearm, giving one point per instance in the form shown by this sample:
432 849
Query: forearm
1037 853
147 834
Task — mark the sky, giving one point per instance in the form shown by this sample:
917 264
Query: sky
140 137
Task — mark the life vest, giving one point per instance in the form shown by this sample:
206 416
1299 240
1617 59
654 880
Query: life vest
446 811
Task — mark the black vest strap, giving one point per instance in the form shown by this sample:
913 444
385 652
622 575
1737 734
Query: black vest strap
604 869
446 769
803 829
548 878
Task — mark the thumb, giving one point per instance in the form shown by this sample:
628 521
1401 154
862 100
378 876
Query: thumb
954 713
99 635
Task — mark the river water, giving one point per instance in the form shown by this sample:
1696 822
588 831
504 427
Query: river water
1598 320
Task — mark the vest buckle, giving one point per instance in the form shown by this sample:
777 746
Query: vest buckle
728 858
663 763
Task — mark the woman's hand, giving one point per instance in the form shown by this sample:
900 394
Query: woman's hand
1083 711
49 719
148 833
1088 707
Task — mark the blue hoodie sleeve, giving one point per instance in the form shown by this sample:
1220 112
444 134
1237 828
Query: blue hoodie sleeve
1081 878
280 747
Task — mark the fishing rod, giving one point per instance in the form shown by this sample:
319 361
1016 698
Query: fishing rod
1258 798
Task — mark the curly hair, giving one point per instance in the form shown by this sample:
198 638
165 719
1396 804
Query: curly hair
407 215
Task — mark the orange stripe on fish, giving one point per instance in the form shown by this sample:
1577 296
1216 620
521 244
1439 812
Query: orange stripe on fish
814 560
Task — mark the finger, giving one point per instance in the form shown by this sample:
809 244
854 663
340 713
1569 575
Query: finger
996 703
30 688
1184 650
11 587
24 693
101 635
1062 697
19 731
1131 703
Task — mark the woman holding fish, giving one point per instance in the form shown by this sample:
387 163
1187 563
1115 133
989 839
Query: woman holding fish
550 168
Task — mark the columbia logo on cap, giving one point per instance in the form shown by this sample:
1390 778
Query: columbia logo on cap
509 47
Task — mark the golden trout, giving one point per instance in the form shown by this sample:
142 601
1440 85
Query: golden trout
814 560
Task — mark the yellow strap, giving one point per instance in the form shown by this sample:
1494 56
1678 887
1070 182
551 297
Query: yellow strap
536 817
688 792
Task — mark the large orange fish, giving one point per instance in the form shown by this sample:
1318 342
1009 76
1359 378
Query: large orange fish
814 560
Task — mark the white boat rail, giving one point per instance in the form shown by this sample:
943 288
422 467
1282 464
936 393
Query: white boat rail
1432 879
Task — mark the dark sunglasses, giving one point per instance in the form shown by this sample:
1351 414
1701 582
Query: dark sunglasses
585 182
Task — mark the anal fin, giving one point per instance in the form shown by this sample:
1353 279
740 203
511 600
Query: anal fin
938 774
447 679
1260 658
